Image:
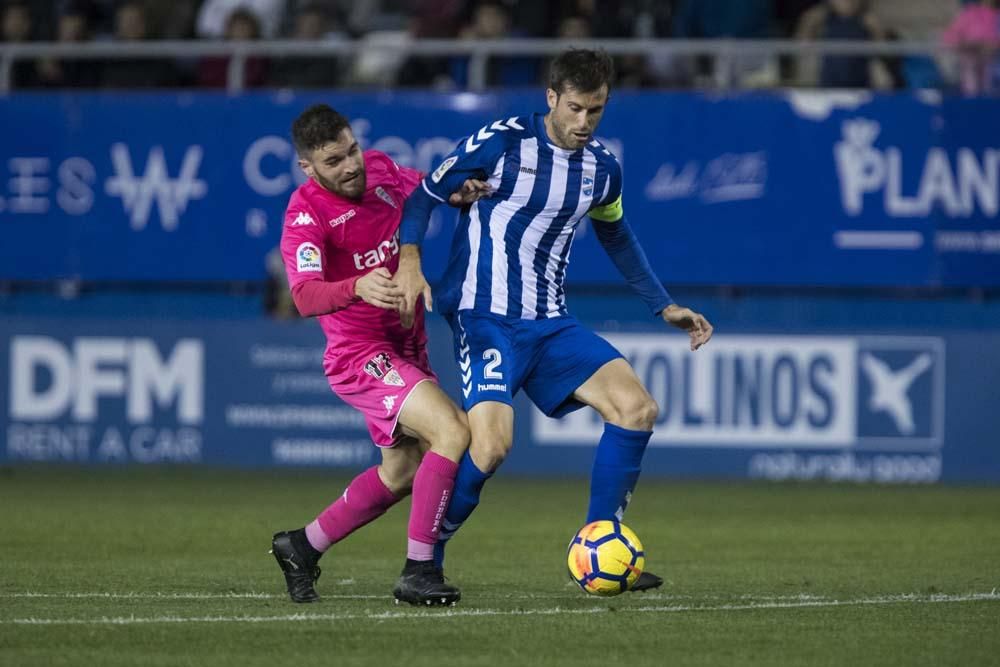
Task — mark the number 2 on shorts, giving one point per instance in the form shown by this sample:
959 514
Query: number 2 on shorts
495 359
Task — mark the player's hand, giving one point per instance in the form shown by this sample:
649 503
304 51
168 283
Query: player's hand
378 288
412 284
698 328
470 192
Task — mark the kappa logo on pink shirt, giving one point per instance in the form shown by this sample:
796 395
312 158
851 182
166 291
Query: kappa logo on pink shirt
341 219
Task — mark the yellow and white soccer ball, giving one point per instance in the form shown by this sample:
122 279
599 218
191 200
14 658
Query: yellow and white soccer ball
605 558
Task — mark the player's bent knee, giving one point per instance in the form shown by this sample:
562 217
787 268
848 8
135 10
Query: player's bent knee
637 413
489 450
398 478
401 485
451 439
646 414
399 466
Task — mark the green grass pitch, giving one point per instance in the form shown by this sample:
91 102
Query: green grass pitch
170 567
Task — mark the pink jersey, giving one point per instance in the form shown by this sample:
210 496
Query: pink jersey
331 238
975 24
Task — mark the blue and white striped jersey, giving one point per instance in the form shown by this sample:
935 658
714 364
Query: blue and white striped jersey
510 251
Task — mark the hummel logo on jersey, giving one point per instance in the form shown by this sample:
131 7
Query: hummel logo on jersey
303 219
476 140
341 219
529 170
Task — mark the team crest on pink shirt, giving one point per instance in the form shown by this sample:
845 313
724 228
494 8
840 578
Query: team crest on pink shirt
380 368
385 196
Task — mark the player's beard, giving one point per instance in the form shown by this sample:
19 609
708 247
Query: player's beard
568 139
353 189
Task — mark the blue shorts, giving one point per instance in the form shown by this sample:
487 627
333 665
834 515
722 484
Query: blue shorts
549 358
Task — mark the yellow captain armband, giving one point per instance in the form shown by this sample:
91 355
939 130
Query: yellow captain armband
609 213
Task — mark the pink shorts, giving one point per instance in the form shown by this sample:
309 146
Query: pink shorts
376 380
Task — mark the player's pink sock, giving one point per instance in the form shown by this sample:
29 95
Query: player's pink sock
365 499
432 489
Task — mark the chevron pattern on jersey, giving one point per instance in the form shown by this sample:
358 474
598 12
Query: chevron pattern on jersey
476 140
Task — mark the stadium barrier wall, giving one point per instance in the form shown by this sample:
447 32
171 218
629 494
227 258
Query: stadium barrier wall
802 188
891 392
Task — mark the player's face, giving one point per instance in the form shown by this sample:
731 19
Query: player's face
574 116
338 166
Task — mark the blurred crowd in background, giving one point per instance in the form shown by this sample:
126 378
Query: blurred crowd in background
970 28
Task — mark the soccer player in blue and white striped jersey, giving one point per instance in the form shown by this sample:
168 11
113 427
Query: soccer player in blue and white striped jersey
503 291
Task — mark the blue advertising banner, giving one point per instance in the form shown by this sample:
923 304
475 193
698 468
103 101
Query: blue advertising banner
867 406
808 188
216 392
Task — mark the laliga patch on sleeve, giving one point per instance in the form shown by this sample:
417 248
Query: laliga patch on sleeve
307 258
443 169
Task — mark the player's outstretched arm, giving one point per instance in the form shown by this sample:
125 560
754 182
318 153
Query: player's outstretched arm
412 284
313 298
320 297
619 241
416 215
410 277
461 180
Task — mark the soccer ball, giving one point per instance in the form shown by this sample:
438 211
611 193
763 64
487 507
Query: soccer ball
605 558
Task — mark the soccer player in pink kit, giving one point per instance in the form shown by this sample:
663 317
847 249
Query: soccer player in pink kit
340 244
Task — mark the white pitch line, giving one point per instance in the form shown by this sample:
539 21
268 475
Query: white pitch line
30 595
574 595
141 596
464 613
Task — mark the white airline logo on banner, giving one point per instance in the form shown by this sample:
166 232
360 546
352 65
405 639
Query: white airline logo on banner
781 391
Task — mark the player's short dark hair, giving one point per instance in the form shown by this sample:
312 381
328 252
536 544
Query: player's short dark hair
317 126
584 70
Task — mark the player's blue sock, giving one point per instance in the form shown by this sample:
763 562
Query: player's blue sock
616 470
468 485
